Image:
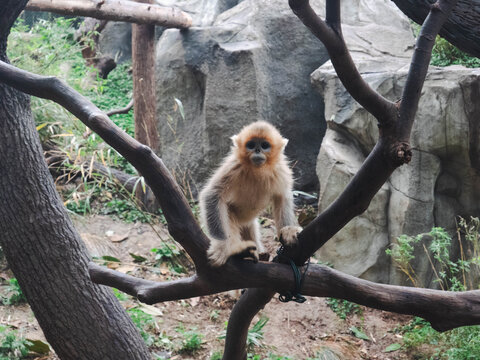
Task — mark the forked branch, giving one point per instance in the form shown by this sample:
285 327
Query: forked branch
445 310
391 151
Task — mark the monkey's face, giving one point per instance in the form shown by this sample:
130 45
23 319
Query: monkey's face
259 145
258 150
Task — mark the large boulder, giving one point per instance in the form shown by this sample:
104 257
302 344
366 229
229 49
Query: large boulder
442 181
254 62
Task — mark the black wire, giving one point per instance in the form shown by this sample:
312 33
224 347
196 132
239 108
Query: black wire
294 295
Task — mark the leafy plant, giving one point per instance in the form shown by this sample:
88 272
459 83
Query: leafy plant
214 315
217 355
343 308
126 210
457 344
450 274
12 346
49 48
145 324
455 275
169 252
255 334
191 342
14 294
121 296
445 54
402 254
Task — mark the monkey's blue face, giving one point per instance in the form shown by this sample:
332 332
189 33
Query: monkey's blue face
258 148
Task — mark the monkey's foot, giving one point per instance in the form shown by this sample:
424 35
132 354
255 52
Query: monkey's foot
288 235
221 250
248 250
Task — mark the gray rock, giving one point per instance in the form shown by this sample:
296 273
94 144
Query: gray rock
442 180
338 161
253 63
116 39
203 12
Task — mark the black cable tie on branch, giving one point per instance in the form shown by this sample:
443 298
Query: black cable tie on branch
295 294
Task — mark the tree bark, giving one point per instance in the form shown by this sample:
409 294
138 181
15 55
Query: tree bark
462 28
124 10
143 59
80 320
144 98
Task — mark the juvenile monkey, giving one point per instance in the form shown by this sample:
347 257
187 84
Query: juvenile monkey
254 175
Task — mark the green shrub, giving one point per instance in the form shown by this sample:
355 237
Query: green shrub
12 346
445 54
14 294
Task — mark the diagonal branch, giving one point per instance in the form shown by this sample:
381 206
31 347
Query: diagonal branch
330 34
419 66
181 222
391 151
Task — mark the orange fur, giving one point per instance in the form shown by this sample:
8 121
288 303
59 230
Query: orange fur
239 191
264 130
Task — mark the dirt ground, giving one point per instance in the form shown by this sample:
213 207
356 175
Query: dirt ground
299 331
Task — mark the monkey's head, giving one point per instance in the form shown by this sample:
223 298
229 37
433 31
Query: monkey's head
259 144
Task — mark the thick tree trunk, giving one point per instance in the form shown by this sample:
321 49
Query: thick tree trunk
80 320
124 10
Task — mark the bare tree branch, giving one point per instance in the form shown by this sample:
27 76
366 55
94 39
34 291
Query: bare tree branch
330 34
419 66
116 10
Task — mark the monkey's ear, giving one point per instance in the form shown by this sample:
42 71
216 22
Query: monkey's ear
234 140
284 142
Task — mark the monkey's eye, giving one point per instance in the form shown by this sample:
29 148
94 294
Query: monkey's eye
250 145
265 145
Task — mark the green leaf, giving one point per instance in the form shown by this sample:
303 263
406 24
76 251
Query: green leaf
38 346
137 258
359 334
393 347
110 258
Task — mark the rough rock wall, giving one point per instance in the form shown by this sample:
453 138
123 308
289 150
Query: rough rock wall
252 63
442 181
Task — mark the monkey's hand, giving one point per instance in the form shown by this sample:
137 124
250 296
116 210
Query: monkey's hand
288 235
221 250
